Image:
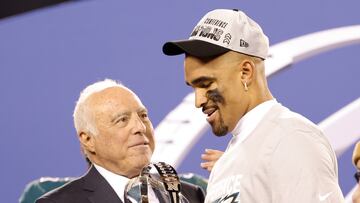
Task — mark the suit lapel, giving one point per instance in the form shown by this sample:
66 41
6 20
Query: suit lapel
99 189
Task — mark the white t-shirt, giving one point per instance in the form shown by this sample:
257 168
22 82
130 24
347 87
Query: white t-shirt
275 156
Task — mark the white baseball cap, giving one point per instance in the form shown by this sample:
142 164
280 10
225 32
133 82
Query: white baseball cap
220 31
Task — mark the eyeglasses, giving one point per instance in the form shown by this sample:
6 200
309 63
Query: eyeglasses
357 176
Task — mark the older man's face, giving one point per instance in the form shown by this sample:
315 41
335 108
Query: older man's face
124 143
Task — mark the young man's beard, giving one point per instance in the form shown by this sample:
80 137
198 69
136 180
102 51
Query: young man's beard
221 130
216 97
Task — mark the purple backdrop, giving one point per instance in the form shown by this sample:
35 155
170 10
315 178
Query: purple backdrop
48 56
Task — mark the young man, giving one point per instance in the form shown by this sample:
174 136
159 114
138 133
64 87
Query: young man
275 155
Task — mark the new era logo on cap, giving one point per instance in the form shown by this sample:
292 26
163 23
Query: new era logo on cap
243 43
220 31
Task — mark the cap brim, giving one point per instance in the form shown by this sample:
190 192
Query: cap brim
193 47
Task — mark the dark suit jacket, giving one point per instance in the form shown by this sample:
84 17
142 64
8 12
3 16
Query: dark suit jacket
93 188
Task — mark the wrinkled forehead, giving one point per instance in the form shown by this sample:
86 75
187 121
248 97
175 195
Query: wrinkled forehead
115 98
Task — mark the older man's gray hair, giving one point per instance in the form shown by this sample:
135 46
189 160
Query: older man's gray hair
83 119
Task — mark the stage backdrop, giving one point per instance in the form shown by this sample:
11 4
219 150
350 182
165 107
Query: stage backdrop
48 56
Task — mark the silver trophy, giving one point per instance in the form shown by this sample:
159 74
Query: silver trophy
157 182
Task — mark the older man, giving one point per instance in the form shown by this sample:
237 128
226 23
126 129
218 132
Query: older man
116 135
275 155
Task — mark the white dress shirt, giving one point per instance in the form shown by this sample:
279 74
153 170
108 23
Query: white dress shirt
118 183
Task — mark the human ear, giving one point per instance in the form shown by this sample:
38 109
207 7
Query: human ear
247 71
87 141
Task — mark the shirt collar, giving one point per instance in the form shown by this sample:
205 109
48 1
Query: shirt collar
251 119
117 182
